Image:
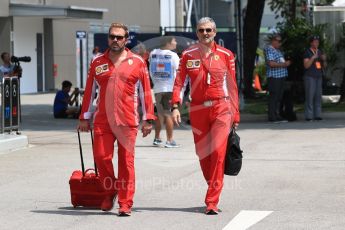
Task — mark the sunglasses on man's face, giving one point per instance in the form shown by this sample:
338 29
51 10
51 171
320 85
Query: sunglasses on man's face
118 37
208 30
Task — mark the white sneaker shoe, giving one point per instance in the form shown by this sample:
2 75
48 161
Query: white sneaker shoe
171 144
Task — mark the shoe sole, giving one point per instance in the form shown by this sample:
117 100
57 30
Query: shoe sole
169 146
211 212
124 214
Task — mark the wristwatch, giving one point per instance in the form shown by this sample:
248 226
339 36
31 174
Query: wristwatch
150 121
173 108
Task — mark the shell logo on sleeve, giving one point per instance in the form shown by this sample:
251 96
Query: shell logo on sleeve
101 69
193 63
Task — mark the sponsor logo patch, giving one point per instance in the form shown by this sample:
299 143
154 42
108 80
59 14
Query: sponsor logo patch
193 63
189 64
101 69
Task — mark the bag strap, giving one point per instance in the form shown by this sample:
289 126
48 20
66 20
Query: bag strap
94 162
81 154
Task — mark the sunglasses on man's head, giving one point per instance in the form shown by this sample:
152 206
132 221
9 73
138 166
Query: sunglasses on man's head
118 37
208 30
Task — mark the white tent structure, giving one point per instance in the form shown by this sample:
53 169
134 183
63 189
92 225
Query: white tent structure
334 16
339 3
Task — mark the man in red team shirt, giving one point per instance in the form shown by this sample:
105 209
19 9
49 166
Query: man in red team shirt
214 104
119 75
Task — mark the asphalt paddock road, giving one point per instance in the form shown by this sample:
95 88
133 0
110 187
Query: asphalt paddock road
292 172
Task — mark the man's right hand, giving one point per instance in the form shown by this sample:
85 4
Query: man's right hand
84 125
176 116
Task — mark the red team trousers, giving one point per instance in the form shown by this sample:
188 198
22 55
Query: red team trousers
105 137
210 125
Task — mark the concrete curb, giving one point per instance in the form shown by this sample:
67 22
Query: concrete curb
11 142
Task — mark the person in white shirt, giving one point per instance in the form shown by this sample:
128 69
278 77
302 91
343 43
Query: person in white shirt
163 66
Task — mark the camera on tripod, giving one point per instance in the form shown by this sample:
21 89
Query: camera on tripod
17 70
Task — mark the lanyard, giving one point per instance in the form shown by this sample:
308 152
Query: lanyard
314 52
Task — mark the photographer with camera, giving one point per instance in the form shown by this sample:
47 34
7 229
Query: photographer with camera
63 99
8 69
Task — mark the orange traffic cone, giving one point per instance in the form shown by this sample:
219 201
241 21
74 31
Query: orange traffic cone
256 83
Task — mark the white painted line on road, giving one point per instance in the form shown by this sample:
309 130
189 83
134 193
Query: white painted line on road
246 219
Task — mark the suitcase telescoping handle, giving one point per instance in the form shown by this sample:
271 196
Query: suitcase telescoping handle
81 154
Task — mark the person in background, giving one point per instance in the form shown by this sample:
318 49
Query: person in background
95 52
163 66
7 68
63 100
276 67
314 63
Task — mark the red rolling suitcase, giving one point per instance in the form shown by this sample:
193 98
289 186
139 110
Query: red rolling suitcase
86 187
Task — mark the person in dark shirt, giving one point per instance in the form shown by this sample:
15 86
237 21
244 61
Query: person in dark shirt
314 63
63 99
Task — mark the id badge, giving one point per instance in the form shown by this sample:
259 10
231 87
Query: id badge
318 65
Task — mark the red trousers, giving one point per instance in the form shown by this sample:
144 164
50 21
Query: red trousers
104 138
211 126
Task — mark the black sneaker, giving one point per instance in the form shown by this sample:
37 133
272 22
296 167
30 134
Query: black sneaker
308 119
211 212
157 142
318 119
123 211
125 214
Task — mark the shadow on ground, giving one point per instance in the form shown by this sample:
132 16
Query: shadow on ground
80 211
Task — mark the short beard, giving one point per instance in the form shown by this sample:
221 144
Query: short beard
117 50
211 39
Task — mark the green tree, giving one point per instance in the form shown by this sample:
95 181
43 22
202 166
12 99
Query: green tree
284 8
295 34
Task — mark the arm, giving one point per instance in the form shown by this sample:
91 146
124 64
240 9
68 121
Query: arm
271 60
146 101
233 90
274 64
73 98
179 83
307 62
89 95
177 95
324 59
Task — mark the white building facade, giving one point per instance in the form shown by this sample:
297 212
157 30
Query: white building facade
46 30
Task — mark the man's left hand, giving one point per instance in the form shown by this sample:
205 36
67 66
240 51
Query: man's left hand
235 125
146 128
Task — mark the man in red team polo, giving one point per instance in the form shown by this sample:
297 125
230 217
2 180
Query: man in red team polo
122 79
214 104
